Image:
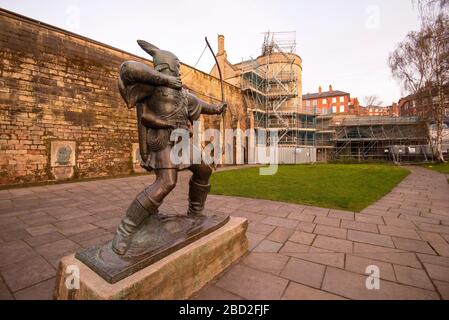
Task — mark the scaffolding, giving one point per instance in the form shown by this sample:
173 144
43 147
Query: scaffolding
271 86
401 140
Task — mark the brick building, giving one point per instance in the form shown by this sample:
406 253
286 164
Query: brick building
376 111
327 102
354 106
420 104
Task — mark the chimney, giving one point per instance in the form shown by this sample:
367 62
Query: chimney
221 46
320 90
330 88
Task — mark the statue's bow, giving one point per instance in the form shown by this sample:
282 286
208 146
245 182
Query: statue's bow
218 67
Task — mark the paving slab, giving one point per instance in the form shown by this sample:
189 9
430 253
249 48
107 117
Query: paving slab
250 283
269 262
296 291
353 286
304 272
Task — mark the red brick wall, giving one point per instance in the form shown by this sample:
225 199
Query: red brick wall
59 86
326 108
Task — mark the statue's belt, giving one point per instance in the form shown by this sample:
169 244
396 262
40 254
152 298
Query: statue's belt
174 112
178 117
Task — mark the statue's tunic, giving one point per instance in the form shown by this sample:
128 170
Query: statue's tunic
173 106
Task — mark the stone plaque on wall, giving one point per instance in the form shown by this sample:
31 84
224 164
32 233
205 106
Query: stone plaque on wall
63 159
136 158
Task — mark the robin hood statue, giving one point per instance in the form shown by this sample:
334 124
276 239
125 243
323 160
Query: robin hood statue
162 106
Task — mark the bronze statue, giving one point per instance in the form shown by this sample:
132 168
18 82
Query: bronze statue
144 235
162 105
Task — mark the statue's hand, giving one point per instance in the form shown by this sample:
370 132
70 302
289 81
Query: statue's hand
144 165
222 107
174 82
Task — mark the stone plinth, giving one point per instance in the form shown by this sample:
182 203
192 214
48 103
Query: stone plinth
176 276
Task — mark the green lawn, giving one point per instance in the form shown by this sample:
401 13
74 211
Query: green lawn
341 186
439 167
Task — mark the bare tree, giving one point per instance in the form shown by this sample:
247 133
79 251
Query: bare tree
421 64
431 7
372 101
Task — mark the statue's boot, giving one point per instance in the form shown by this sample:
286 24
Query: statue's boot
197 197
137 212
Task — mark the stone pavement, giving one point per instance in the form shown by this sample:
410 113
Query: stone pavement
296 251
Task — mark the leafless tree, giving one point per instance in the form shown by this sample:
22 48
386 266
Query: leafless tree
431 7
421 63
372 101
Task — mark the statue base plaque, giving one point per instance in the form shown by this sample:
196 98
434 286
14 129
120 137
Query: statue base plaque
178 275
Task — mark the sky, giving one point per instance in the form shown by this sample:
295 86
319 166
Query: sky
345 43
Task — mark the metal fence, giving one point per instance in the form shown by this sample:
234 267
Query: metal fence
285 155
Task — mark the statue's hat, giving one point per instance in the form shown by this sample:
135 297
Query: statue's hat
160 57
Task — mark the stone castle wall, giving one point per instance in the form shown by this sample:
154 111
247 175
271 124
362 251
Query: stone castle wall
60 109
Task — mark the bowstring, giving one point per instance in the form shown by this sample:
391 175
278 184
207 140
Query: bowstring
198 61
191 70
214 165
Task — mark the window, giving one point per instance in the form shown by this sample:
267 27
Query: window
307 103
324 101
334 100
342 99
334 109
342 108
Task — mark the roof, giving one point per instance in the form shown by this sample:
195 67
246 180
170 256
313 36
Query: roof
326 94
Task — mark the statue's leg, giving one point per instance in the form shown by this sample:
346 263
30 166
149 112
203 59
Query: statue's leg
146 203
199 187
